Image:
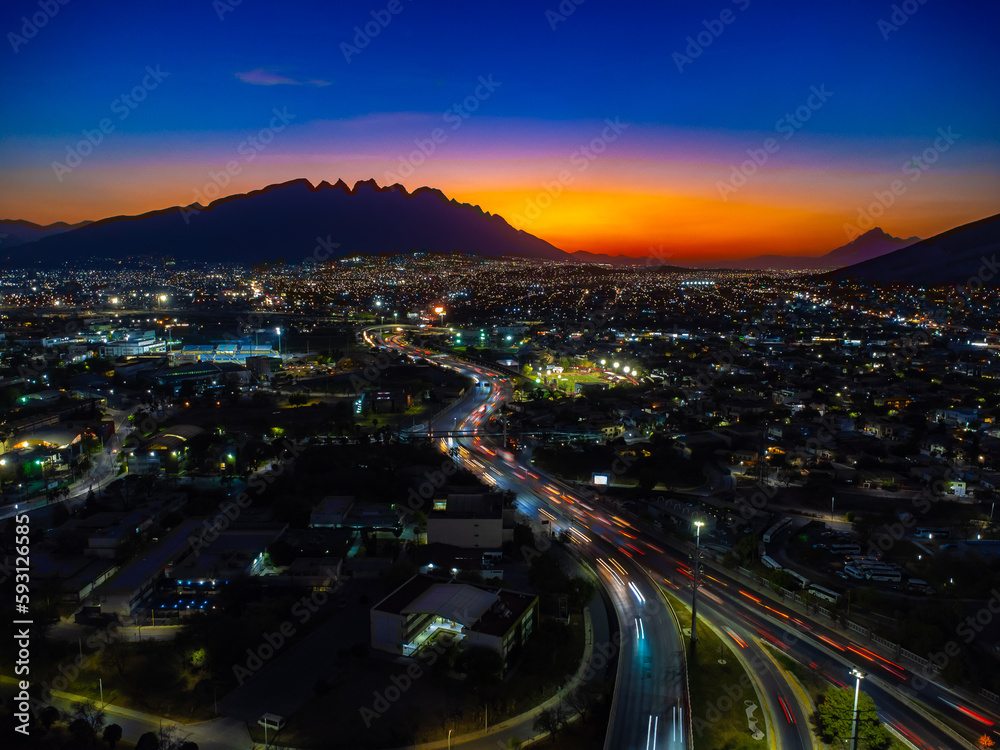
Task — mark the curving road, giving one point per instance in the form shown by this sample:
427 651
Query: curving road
648 697
650 709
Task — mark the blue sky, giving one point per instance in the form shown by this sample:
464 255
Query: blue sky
560 75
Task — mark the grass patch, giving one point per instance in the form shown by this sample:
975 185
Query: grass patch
718 691
810 679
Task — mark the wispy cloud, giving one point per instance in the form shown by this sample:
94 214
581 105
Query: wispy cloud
269 77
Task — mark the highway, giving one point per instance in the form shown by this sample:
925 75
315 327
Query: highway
650 709
649 695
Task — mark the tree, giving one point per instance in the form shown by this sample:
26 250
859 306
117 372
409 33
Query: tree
48 716
581 591
483 666
94 716
148 741
112 733
836 717
170 739
583 698
746 548
550 720
547 575
117 650
82 732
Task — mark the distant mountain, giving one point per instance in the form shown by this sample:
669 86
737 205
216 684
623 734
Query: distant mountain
294 221
14 232
872 244
952 257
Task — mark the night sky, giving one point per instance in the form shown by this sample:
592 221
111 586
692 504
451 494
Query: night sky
609 127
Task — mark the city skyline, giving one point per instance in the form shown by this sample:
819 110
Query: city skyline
700 133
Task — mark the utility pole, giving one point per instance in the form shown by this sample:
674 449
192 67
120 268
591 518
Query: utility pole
503 413
694 590
859 675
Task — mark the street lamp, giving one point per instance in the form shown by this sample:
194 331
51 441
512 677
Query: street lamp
278 331
694 591
449 738
854 723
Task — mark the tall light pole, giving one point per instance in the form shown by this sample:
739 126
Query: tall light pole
694 591
859 675
278 331
832 498
449 738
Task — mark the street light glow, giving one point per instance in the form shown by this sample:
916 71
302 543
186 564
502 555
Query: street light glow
854 721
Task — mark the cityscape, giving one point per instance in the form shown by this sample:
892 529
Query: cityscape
567 376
